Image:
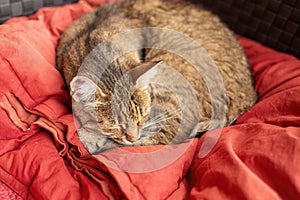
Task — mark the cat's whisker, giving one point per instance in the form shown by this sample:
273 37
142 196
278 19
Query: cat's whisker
164 119
174 112
158 121
166 114
167 125
158 116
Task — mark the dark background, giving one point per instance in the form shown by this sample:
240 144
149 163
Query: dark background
275 23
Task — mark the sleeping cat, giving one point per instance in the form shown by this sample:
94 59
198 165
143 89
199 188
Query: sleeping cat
152 72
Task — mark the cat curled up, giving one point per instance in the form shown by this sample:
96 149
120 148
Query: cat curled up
152 72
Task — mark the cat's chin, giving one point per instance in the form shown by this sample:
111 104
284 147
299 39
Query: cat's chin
126 142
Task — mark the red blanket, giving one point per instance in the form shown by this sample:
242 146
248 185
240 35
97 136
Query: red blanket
41 156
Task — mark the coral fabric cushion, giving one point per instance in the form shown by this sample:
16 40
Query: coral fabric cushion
41 156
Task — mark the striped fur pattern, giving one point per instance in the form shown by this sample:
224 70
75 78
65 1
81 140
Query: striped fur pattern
132 111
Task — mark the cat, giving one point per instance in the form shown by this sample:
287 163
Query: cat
152 72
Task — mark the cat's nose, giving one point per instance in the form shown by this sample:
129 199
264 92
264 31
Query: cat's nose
131 131
131 137
132 134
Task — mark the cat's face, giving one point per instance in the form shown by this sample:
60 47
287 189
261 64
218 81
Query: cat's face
123 117
120 113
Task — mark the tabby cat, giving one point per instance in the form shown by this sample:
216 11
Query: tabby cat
152 72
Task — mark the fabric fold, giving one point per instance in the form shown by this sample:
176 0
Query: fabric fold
41 156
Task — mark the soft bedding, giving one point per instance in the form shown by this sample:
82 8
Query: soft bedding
41 156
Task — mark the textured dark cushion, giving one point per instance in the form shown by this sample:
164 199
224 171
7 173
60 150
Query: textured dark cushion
12 8
275 23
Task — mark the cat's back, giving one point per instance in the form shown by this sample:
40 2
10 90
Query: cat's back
199 25
220 46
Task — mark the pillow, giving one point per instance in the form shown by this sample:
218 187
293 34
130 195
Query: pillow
10 8
41 156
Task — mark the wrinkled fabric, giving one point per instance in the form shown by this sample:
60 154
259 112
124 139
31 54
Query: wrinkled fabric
41 156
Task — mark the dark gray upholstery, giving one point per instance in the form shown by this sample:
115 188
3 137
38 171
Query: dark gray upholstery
275 23
11 8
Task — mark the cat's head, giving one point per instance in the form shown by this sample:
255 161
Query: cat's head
121 112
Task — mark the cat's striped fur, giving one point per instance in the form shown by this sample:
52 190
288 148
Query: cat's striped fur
133 103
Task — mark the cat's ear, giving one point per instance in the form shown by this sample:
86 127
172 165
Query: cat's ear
142 74
83 89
